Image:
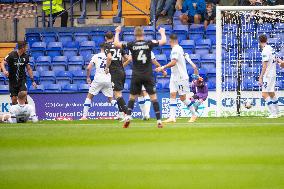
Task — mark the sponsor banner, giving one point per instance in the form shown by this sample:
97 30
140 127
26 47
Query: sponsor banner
51 106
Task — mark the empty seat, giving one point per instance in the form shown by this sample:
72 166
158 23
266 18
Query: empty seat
188 46
63 77
80 37
48 37
98 37
195 58
32 37
69 52
65 37
83 87
75 63
162 59
59 63
181 31
79 77
202 46
47 77
163 82
2 78
128 37
43 63
87 48
69 88
208 61
54 49
38 49
52 88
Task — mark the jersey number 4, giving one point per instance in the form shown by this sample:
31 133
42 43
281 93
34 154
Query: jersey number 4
142 57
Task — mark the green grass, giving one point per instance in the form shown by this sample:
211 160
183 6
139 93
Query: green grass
221 153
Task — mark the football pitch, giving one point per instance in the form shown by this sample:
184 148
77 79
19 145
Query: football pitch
221 153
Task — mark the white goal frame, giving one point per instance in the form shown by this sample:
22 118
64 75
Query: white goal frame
219 10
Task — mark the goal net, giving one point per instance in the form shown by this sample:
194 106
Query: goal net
238 57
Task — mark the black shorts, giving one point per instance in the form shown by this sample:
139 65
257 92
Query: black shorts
118 79
137 82
15 88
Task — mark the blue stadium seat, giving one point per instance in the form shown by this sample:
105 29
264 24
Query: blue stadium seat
83 87
79 77
71 44
38 89
2 78
4 89
149 37
87 58
208 62
181 31
35 75
32 37
69 88
47 77
87 48
69 52
127 84
202 46
188 46
196 31
162 59
167 27
63 77
128 73
203 72
211 86
156 50
75 63
128 37
59 63
43 63
98 37
65 37
54 49
149 29
48 37
80 37
196 58
274 42
52 88
177 13
32 62
38 49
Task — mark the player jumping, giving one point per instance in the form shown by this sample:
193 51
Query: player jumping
101 82
116 71
267 77
17 62
142 73
21 112
179 81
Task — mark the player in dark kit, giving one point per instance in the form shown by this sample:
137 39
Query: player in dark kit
142 73
17 62
116 70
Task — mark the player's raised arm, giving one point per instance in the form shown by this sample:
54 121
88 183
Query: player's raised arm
188 59
116 42
163 39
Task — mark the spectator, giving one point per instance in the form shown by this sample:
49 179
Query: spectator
196 10
179 5
210 14
57 10
252 3
163 8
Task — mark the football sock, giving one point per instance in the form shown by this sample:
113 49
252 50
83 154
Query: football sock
141 103
190 106
275 105
173 108
130 106
269 104
121 104
147 106
114 103
157 109
87 106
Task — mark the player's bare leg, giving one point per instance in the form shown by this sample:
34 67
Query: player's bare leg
147 105
173 107
156 107
87 106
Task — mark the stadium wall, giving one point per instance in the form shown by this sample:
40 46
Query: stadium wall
50 106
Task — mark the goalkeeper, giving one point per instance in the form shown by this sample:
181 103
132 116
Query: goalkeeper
198 88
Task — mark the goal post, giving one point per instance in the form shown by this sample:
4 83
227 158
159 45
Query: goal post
238 49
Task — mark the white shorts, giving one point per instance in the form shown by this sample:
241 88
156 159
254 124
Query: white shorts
181 86
105 87
268 84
